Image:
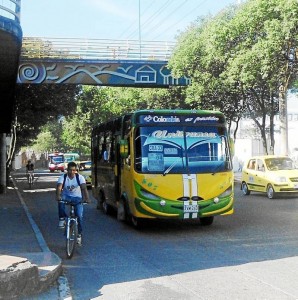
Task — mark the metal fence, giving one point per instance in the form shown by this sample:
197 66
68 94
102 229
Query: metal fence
76 48
10 9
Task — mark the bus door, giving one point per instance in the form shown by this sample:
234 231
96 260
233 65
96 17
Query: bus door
117 166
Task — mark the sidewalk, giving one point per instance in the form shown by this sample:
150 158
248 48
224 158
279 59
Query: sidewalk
27 266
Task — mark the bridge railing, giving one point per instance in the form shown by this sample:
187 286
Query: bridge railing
93 49
11 9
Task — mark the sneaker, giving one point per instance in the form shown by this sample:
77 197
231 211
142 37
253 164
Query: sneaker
61 223
79 239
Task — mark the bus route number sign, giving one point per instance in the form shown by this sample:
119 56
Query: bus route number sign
192 207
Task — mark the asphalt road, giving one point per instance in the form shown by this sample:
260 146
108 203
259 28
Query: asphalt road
115 257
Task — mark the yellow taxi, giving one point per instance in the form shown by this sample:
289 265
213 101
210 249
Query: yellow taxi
84 168
270 174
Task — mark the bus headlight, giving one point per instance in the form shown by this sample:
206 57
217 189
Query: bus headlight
149 195
226 193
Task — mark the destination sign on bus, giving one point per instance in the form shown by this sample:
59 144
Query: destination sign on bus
178 119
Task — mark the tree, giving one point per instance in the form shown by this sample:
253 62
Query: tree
197 57
100 104
39 104
248 52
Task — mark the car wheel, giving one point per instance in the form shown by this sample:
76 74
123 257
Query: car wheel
245 189
270 191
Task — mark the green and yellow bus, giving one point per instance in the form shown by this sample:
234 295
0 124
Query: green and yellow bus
173 164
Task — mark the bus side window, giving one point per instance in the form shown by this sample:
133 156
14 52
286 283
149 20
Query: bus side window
101 148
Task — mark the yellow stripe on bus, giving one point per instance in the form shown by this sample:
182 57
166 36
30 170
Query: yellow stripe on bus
147 208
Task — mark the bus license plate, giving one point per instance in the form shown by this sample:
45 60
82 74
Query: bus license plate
296 186
191 208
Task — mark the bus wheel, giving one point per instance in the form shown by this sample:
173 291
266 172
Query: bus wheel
206 221
99 201
137 222
106 208
245 189
121 211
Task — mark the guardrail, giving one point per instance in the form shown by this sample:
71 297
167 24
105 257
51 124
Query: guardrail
93 49
11 9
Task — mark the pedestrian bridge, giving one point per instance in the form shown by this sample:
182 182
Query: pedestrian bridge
96 62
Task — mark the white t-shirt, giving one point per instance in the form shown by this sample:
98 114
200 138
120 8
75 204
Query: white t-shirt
71 187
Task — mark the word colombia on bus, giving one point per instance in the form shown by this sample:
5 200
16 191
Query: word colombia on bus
171 164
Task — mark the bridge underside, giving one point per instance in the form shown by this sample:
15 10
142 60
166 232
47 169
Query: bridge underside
10 47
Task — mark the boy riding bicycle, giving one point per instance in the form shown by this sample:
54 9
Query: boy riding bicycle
71 187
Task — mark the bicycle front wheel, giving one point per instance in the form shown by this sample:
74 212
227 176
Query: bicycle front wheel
71 239
30 181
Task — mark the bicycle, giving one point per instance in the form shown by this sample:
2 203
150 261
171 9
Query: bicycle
30 178
71 229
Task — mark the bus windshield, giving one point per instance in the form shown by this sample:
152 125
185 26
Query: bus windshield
57 159
181 149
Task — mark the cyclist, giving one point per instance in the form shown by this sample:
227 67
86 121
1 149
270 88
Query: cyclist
30 169
71 187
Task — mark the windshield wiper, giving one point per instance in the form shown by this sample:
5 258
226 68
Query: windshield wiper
172 166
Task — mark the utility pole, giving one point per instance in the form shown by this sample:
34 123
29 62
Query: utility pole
283 121
140 36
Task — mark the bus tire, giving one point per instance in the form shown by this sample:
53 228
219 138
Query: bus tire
99 201
121 210
106 208
137 223
206 221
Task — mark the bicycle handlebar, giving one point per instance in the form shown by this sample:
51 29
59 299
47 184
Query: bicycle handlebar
70 203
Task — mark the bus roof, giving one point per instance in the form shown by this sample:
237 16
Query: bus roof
135 116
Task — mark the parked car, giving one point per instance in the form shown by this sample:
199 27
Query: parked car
84 168
269 174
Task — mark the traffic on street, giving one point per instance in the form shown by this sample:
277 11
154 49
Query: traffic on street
115 257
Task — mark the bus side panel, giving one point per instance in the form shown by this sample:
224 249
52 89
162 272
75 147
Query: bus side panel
106 181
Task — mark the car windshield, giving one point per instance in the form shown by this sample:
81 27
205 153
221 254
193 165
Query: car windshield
182 149
279 163
85 165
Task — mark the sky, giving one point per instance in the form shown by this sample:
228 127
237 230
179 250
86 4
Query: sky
148 20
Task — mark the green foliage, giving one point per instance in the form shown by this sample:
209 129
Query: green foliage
238 60
99 104
39 104
44 142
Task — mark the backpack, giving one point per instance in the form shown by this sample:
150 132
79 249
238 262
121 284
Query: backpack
77 177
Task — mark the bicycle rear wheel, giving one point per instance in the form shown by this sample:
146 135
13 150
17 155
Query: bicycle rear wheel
30 181
71 239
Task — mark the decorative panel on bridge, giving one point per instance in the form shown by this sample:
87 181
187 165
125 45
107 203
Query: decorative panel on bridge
98 72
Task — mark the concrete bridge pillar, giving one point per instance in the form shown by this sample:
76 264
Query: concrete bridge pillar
10 48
